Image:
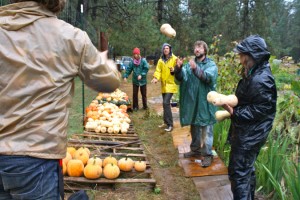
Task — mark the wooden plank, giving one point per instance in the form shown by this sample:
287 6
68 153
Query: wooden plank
225 193
192 169
104 180
103 137
181 135
211 181
220 193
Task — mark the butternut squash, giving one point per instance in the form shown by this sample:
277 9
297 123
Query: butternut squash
167 30
220 99
222 115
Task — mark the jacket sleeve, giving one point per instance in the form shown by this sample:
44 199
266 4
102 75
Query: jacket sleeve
178 73
264 104
95 70
128 70
208 75
145 68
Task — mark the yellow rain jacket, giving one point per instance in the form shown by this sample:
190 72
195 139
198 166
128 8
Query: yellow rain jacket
162 73
40 56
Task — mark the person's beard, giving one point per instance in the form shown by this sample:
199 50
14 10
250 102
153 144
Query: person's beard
200 56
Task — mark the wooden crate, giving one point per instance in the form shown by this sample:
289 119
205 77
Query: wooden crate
118 146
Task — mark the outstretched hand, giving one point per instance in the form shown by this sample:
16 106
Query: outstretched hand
192 64
179 62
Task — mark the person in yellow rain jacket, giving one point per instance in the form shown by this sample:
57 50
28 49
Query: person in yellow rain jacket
165 73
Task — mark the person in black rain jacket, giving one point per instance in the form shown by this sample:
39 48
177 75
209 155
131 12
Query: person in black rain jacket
252 118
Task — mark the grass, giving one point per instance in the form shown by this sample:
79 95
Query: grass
76 111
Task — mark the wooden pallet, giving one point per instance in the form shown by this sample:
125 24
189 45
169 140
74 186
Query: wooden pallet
116 145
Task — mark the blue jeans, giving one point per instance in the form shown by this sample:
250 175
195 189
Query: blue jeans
196 132
23 177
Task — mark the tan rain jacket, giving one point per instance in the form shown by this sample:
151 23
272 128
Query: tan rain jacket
40 56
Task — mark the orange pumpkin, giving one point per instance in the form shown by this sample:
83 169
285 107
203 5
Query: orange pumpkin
92 170
125 164
71 150
111 171
82 155
123 107
140 166
95 159
86 149
75 168
67 158
110 159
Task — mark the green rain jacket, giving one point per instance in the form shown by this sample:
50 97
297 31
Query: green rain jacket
194 86
141 69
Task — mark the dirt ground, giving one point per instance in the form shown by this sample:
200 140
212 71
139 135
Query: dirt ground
161 153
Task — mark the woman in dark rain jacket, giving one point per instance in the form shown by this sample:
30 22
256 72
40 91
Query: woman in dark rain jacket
252 118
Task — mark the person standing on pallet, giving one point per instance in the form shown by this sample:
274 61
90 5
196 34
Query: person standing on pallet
165 72
197 78
252 118
140 68
40 56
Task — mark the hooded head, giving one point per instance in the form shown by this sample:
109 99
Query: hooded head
165 57
53 5
255 46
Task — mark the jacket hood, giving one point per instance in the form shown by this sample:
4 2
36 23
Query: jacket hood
12 16
255 46
162 51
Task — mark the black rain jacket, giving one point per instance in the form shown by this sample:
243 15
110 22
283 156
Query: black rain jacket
253 117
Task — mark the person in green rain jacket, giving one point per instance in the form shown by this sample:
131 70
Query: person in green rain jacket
139 67
197 78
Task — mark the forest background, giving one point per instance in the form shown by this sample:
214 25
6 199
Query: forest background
135 23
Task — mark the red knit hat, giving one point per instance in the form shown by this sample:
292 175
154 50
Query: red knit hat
136 51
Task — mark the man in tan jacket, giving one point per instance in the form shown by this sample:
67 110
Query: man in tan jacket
40 56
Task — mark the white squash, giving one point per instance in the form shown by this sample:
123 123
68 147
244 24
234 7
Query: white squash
110 130
103 129
222 115
123 131
98 129
231 100
220 99
116 129
167 30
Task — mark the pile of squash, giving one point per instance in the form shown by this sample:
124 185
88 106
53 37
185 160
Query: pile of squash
78 163
117 97
107 118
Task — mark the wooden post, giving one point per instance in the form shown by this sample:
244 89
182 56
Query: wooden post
103 42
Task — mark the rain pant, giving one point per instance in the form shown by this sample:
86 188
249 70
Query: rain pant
40 56
252 118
